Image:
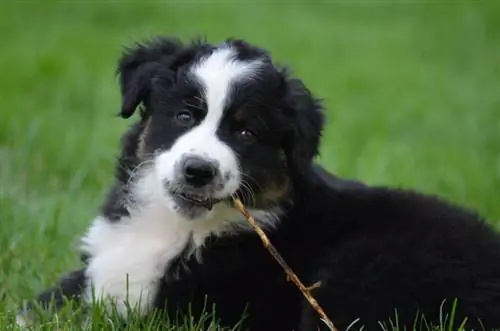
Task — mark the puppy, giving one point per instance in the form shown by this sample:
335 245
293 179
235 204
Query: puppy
223 120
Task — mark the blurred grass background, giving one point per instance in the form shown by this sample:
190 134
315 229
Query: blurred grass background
412 89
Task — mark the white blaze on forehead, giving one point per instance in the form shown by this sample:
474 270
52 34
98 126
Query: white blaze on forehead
217 73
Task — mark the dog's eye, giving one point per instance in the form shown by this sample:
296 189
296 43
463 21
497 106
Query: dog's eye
246 135
185 118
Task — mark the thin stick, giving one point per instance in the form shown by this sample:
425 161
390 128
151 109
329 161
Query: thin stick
306 291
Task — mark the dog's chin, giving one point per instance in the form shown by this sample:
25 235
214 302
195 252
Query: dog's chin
191 213
192 207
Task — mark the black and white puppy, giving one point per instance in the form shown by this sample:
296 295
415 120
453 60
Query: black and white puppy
223 120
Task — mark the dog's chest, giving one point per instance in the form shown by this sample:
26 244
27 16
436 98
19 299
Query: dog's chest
129 259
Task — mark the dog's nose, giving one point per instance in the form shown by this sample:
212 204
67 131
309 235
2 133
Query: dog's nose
198 172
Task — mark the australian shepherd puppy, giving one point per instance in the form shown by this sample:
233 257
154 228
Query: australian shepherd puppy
223 120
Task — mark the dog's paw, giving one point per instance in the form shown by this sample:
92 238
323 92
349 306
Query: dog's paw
23 320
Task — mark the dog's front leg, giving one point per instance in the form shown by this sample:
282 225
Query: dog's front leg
70 287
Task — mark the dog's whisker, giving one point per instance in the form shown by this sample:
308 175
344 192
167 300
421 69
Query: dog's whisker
246 188
249 177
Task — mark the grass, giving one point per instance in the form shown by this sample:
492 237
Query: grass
412 90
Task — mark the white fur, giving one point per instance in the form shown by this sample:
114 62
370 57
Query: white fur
217 74
130 256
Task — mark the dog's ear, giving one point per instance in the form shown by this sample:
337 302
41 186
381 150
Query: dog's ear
302 145
139 64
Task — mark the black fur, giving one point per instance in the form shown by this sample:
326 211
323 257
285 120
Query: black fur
378 252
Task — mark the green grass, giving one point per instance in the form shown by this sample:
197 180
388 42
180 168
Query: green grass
412 91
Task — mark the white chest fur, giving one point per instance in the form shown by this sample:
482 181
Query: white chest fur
130 257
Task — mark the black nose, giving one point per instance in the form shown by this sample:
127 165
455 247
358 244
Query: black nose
198 172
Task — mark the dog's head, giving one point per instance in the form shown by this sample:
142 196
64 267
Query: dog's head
217 121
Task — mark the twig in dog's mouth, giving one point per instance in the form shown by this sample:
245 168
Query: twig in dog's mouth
306 291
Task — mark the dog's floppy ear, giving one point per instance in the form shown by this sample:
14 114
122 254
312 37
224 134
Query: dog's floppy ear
141 63
308 118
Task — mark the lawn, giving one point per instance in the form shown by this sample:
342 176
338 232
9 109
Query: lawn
413 94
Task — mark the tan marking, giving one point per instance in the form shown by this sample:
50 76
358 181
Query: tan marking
238 114
274 193
141 146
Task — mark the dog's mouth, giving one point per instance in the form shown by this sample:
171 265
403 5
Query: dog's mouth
198 200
